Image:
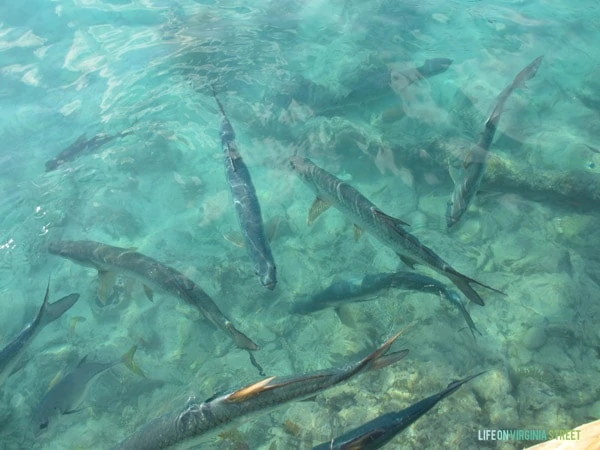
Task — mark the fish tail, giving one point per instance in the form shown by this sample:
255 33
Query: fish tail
378 358
49 312
453 386
127 359
241 340
463 283
217 99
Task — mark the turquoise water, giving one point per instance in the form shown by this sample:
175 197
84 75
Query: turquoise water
280 68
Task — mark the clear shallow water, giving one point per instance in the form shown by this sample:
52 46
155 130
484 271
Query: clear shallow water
71 68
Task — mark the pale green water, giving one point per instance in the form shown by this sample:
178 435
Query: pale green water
69 68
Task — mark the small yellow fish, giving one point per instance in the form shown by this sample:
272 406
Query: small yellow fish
73 324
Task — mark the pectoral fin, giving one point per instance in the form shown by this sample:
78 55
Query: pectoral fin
408 261
316 209
271 227
73 411
454 173
148 292
389 219
235 238
127 359
249 391
358 231
106 282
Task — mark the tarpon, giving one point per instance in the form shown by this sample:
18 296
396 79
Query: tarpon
196 419
12 353
362 289
108 260
378 432
472 170
380 83
246 204
66 396
331 191
81 146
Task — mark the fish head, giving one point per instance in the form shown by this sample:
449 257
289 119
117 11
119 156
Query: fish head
42 417
299 166
267 273
76 251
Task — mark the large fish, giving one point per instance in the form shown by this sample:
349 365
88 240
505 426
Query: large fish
378 432
108 260
197 419
66 396
362 289
246 205
11 355
470 174
81 146
331 191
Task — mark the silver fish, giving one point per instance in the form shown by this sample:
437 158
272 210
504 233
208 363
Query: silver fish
331 191
378 432
247 206
197 419
107 259
66 396
362 289
474 165
12 353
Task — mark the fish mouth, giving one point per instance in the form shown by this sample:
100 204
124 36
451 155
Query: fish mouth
269 279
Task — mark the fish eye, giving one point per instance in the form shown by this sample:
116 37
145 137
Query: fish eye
44 425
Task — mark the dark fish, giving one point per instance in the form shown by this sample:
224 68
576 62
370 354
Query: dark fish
359 290
66 396
380 83
389 230
108 260
246 205
81 146
196 419
11 355
378 432
473 168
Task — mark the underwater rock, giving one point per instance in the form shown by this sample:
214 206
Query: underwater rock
497 386
535 338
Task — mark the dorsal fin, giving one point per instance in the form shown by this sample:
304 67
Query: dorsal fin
389 219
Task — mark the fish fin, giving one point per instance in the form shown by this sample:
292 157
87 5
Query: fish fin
106 282
272 226
375 359
52 311
454 385
235 238
80 140
73 324
231 158
82 361
387 360
346 315
73 411
395 222
249 391
55 379
454 173
148 292
317 208
127 359
408 261
462 282
358 232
